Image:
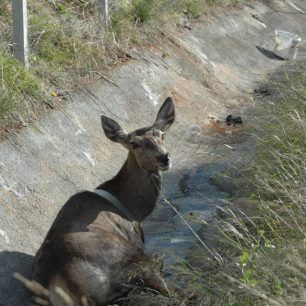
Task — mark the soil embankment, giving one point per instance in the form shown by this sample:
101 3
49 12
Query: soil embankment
210 71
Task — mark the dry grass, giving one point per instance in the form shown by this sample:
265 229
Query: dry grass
261 236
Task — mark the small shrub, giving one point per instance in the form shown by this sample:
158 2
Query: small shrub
142 10
192 10
121 17
130 13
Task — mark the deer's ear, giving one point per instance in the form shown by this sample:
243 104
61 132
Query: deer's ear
165 116
113 130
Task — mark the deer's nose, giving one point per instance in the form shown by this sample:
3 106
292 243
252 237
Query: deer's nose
163 158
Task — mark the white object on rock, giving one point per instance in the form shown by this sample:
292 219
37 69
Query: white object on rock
286 44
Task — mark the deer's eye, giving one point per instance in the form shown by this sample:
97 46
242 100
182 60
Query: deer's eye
134 145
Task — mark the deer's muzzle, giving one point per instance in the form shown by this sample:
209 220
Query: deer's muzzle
163 160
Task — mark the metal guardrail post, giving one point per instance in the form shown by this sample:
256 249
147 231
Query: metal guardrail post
20 31
103 10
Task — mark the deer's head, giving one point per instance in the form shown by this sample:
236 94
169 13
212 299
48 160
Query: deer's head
146 144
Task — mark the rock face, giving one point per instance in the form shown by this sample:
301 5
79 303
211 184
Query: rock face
209 71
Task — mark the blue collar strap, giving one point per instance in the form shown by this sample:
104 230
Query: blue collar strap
116 203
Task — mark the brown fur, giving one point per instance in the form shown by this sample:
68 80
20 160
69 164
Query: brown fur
91 250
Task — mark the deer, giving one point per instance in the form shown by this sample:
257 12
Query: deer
96 240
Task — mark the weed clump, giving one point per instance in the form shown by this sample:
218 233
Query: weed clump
192 10
142 10
129 14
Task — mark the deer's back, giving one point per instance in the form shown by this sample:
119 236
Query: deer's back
90 246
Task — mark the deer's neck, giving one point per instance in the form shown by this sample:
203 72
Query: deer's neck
136 188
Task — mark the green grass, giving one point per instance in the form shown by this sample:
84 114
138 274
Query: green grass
68 39
262 237
142 10
153 13
20 90
193 10
67 46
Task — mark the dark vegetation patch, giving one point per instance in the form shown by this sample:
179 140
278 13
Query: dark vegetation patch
233 120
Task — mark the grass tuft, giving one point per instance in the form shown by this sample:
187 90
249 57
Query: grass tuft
193 10
142 10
